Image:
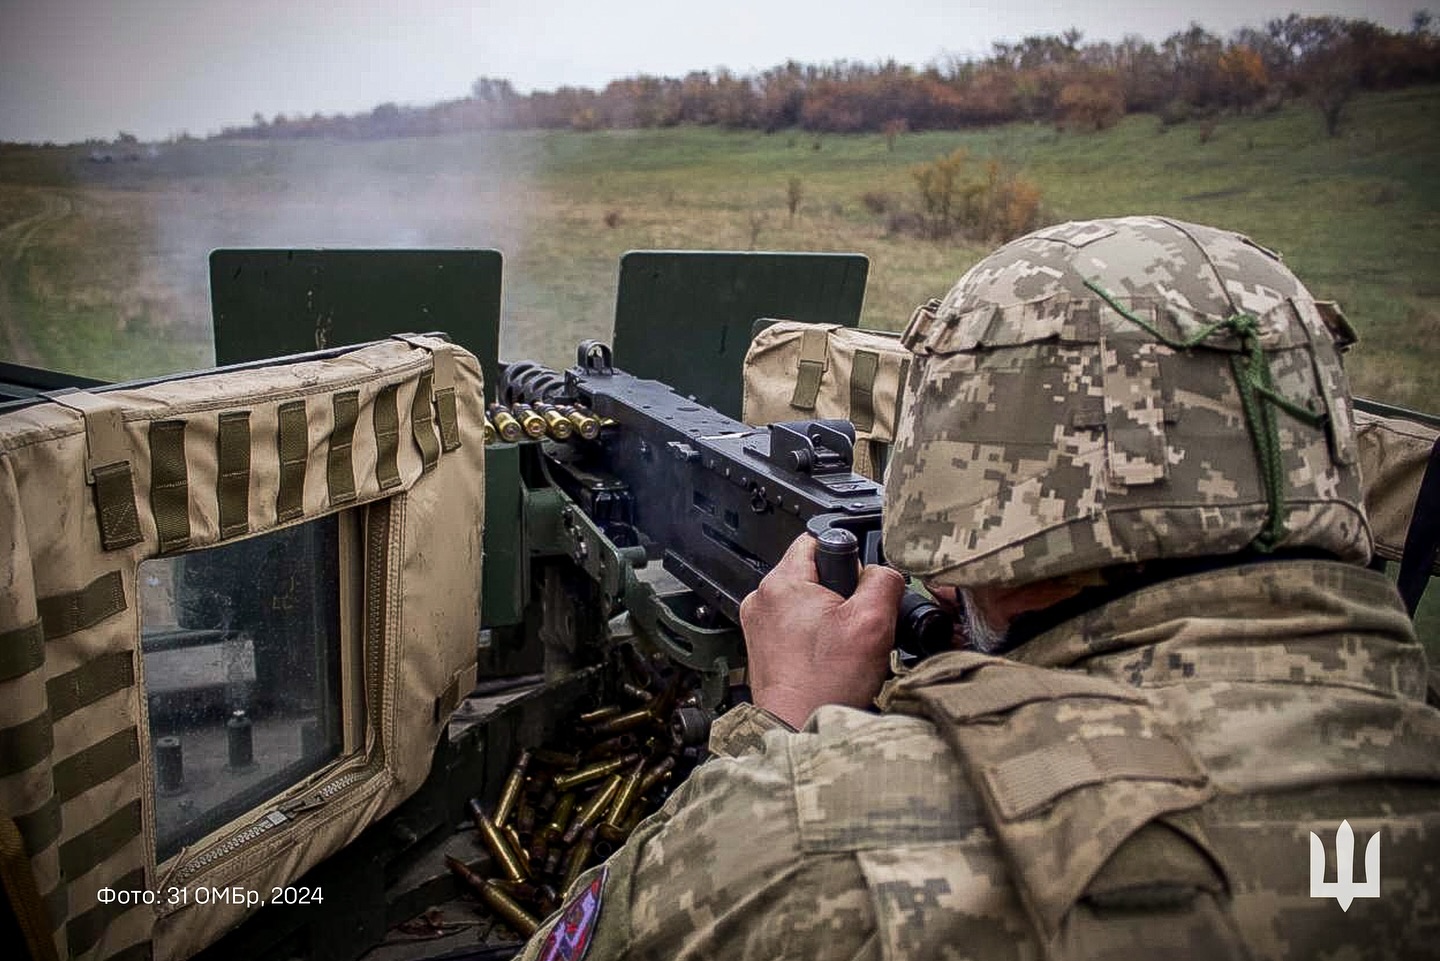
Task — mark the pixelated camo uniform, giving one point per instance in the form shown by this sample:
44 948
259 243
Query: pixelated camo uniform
1153 797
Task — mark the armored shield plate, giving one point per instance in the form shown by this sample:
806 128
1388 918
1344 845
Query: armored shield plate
684 317
269 303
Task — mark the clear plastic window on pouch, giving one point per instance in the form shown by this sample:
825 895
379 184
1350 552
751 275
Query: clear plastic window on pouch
241 647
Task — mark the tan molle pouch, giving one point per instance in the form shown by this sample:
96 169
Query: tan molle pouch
236 609
1394 455
800 371
1091 798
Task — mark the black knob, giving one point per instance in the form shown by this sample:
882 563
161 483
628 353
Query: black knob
837 560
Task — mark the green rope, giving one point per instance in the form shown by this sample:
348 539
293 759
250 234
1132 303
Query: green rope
1253 377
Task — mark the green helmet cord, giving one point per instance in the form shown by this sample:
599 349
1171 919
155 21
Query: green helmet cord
1253 378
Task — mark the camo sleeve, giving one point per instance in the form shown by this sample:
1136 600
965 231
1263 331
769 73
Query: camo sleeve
742 729
718 873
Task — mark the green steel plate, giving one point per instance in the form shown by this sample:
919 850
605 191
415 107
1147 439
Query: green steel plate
684 317
269 303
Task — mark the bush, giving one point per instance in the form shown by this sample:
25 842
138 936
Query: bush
998 205
876 202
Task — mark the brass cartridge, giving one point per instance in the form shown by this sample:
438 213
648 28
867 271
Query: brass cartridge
490 434
510 793
590 813
599 714
560 817
575 863
532 423
558 427
499 847
624 797
513 837
508 909
620 723
506 425
660 772
587 425
594 772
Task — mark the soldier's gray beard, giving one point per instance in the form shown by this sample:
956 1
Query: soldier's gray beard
983 637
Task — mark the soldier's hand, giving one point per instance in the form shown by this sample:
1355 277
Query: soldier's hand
808 646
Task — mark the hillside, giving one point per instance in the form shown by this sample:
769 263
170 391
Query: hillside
102 263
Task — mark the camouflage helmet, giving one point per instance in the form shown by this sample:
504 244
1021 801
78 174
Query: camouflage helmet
1114 391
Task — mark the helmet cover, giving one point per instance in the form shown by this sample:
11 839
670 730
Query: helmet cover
1114 391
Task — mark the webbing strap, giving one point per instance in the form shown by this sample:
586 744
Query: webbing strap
85 930
41 826
24 745
900 396
96 764
23 895
88 683
814 358
387 437
65 614
85 851
1005 688
294 445
1024 784
443 385
169 484
340 469
107 467
22 650
1422 539
448 417
422 422
233 482
864 367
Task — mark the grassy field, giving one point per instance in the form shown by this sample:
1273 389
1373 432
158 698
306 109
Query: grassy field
102 265
103 272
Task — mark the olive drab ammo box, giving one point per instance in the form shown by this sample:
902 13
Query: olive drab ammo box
236 611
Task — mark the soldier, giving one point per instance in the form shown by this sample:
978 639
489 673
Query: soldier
1180 699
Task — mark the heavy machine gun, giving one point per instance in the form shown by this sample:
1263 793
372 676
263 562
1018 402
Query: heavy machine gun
717 502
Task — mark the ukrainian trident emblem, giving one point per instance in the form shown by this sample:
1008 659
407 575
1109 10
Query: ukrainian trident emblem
1344 888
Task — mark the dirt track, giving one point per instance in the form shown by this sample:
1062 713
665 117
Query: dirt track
14 239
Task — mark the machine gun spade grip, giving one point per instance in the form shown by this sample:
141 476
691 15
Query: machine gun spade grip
837 560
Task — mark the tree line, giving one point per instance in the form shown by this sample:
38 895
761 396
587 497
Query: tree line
1193 73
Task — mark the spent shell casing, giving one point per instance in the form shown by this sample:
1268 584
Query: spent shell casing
615 745
636 692
639 666
558 427
489 430
661 771
463 872
532 423
560 816
508 909
625 796
552 861
620 723
594 772
510 793
600 714
587 425
499 847
513 837
525 817
505 423
555 759
577 860
590 812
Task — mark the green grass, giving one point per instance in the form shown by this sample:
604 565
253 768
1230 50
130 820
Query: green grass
1356 217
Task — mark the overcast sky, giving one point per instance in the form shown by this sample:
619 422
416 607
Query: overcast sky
71 69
